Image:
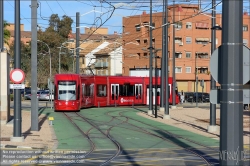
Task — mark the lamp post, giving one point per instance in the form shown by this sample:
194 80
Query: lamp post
49 72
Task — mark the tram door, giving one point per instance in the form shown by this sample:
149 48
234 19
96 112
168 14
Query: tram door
114 93
138 94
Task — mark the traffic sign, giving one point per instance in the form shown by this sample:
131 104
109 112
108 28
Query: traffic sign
215 63
17 86
17 76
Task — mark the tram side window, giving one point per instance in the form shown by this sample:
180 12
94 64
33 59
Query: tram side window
92 90
87 90
126 90
101 90
169 91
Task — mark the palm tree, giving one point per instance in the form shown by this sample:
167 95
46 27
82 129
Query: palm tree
6 32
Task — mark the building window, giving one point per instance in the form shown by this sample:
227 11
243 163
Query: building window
188 69
145 41
202 55
178 54
178 40
202 40
178 25
178 70
188 40
201 25
138 41
188 25
145 54
188 54
203 70
245 41
245 27
137 27
82 60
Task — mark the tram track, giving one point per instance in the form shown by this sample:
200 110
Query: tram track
140 129
70 118
107 134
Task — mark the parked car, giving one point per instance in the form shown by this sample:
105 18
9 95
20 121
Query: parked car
188 96
45 95
202 97
27 96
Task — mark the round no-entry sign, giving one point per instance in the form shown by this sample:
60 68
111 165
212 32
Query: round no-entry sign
17 76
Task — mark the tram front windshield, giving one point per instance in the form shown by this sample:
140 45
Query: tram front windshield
66 90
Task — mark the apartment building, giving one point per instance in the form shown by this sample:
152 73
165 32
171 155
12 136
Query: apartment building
192 43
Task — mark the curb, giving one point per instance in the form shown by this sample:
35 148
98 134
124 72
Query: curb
17 147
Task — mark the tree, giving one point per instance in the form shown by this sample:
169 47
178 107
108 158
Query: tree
6 32
53 36
25 59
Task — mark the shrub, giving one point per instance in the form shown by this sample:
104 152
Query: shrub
11 97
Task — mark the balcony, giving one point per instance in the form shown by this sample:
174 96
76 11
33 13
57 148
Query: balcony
105 64
101 65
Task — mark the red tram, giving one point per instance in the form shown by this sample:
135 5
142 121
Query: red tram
73 91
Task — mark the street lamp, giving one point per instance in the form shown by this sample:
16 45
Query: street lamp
49 72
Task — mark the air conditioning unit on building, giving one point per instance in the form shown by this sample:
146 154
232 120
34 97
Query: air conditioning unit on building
181 43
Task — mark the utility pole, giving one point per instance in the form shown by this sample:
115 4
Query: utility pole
1 34
166 96
212 126
163 59
231 93
17 65
150 65
1 26
174 84
156 83
77 41
34 100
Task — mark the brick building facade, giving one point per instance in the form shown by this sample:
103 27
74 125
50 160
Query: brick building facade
192 43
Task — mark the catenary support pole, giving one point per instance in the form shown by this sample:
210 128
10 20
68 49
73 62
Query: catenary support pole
150 63
212 126
174 82
231 80
34 101
163 60
17 65
166 95
156 84
77 41
1 26
1 33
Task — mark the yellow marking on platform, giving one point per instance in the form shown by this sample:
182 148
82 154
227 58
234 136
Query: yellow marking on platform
51 118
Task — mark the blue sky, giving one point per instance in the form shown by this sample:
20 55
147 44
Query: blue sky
90 11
